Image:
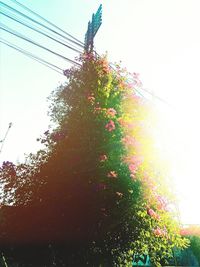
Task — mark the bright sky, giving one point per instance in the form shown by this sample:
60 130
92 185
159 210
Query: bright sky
160 39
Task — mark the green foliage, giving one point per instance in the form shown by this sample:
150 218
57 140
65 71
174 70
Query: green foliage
91 164
195 246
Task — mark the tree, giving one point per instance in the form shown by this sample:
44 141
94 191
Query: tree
195 246
193 234
98 172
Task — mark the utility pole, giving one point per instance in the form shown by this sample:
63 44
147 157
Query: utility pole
93 27
3 140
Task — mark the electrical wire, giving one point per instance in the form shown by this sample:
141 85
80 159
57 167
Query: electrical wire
136 90
145 90
74 49
3 140
15 33
38 31
39 23
32 56
25 21
52 24
155 96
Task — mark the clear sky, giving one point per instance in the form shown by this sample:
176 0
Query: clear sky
160 39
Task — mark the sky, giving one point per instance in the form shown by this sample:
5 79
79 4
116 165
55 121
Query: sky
159 39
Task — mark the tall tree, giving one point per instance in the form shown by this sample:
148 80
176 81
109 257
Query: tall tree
98 172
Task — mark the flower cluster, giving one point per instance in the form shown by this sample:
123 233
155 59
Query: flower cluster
129 140
87 56
193 230
111 112
110 126
162 202
160 232
91 99
153 214
133 163
122 122
103 158
105 66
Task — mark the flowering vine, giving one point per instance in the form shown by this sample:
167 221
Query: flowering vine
101 152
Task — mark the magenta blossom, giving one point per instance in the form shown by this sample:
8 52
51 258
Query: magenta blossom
91 99
111 112
110 126
97 110
153 214
103 158
136 160
162 203
133 168
122 122
129 140
158 231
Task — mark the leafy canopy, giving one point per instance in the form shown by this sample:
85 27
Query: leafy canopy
100 160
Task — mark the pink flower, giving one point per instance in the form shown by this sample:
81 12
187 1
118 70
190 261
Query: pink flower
131 125
122 122
91 99
191 230
111 112
136 80
153 214
133 168
158 231
165 232
135 74
133 177
105 66
129 140
110 126
112 174
122 84
150 182
97 110
88 56
162 203
137 160
103 158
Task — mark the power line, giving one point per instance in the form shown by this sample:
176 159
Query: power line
15 33
36 14
112 67
3 140
27 22
155 96
39 23
32 28
32 56
52 24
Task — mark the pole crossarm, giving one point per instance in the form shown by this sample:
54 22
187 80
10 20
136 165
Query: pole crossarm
93 27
